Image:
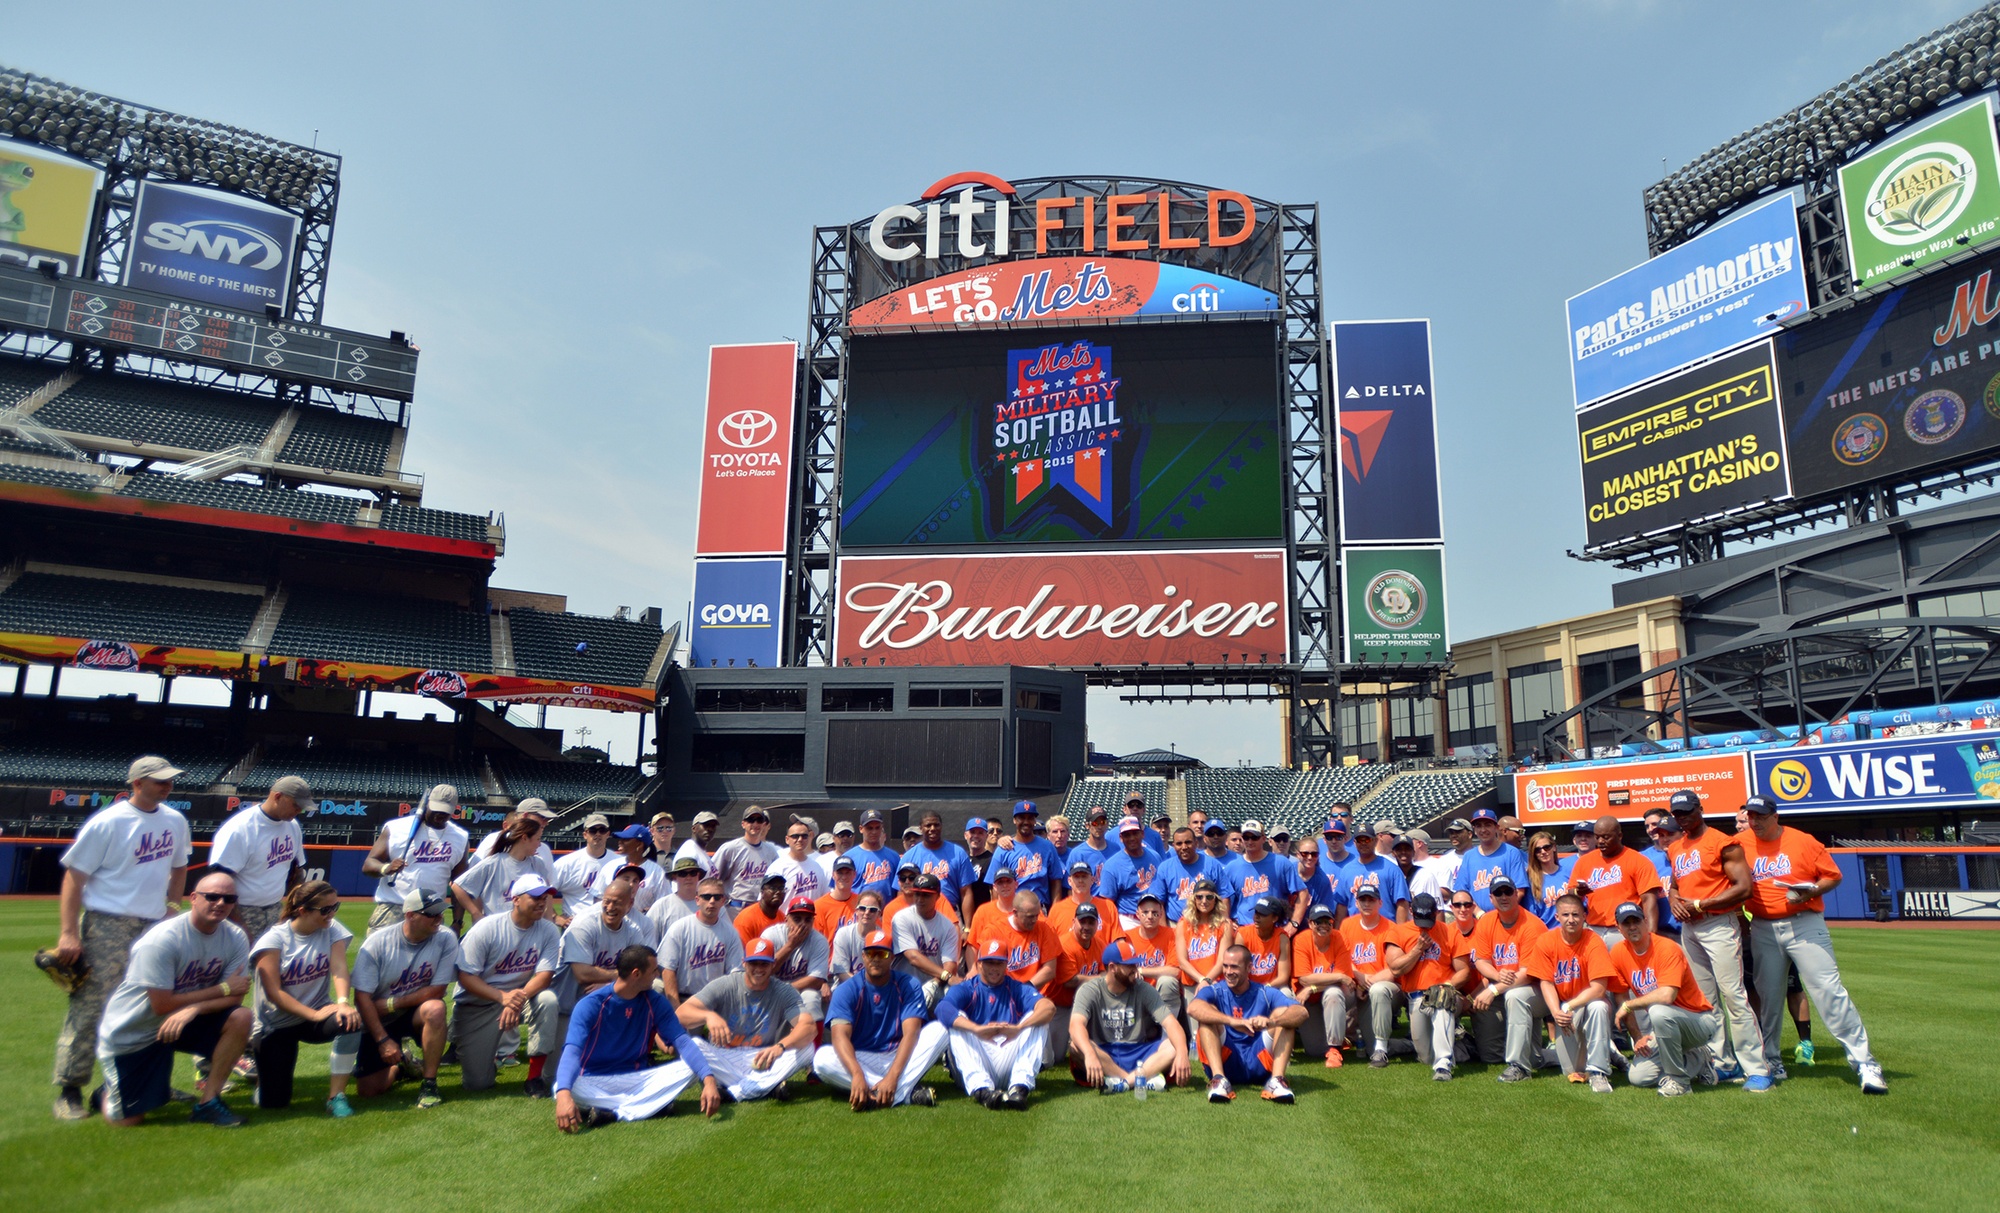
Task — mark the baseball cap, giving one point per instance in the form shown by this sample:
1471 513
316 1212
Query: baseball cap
1367 890
635 830
1583 827
527 884
151 766
441 799
1146 897
872 815
1136 798
1267 905
799 905
1129 823
1281 832
1458 825
1215 826
1161 816
1760 804
927 883
1486 815
1501 883
686 866
826 840
423 901
535 805
1081 865
1335 825
1384 825
1086 909
755 811
1203 885
1026 808
877 942
657 818
296 789
774 879
842 861
1423 836
1684 801
994 950
596 819
761 951
908 865
1120 952
1318 912
912 832
1404 841
843 827
1003 874
1363 830
1625 910
1424 910
706 818
977 823
803 820
1097 811
1253 826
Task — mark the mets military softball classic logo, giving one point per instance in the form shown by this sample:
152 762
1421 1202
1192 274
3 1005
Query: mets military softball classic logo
1920 192
1395 599
1859 439
1790 780
1934 417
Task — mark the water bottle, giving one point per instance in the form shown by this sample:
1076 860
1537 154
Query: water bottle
1139 1089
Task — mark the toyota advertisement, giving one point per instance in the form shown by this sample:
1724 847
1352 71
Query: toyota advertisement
746 458
211 247
1061 609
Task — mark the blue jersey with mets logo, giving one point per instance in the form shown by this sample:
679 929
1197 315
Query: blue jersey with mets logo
1273 875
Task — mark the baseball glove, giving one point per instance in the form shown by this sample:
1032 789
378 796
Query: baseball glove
68 976
1443 998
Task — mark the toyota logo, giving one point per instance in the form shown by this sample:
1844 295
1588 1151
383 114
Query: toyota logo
747 428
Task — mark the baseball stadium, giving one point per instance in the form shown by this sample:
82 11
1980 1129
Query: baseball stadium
314 890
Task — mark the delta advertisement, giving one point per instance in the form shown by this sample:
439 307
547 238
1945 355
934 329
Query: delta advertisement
1923 196
1099 435
1209 607
1387 416
736 613
1564 796
1054 290
46 205
1947 770
211 246
1732 284
1395 604
1906 381
1697 444
746 458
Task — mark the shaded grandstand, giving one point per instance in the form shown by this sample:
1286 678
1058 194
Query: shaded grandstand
1297 801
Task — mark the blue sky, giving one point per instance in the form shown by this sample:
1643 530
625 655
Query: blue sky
566 205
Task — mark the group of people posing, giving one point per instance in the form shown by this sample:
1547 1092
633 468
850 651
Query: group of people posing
642 966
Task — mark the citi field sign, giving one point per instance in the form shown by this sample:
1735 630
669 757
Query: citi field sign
978 249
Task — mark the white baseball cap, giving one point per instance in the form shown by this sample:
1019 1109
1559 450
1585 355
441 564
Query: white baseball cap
528 884
535 805
151 766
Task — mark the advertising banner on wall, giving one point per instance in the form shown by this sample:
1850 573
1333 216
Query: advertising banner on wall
1732 284
1692 445
736 616
1627 790
1053 290
746 458
1385 407
211 246
1905 381
1094 435
1063 609
1395 604
46 204
1945 770
1925 195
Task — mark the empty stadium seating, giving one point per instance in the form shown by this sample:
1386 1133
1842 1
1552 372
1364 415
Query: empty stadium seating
19 378
1415 797
155 411
244 498
1087 794
617 652
326 438
81 481
445 524
1237 793
565 783
1315 792
137 613
332 624
363 774
45 759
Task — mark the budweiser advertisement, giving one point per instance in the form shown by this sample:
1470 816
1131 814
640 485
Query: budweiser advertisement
1101 608
746 460
1626 790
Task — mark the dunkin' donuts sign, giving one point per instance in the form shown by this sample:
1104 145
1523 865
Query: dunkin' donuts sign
1104 608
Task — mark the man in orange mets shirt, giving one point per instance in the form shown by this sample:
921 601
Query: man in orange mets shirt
1612 875
1379 951
1711 881
1443 959
1669 1020
1499 945
1319 972
1573 970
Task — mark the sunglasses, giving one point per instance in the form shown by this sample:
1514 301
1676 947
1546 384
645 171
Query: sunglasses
332 909
798 838
762 821
709 897
597 829
1545 847
425 914
227 899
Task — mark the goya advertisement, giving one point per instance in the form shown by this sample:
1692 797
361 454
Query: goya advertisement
1091 436
1923 196
1939 771
1694 445
1906 381
737 613
1387 415
1061 289
46 203
211 246
1395 604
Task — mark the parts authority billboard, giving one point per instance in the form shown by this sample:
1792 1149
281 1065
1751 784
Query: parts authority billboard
1395 604
1732 284
1386 410
1923 196
46 205
737 613
746 458
211 246
1064 609
1696 444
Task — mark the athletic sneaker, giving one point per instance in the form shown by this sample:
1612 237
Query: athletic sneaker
1872 1082
1333 1059
1016 1099
1441 1074
1157 1082
427 1095
923 1097
601 1117
1708 1076
1599 1084
986 1097
1113 1086
1220 1091
1578 1078
1514 1073
536 1088
1803 1055
507 1060
177 1095
1758 1083
1377 1060
783 1091
338 1107
1729 1073
245 1068
1778 1073
1276 1091
69 1105
214 1112
1670 1087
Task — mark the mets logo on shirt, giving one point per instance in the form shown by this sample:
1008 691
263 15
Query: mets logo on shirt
1569 969
1777 865
1253 886
1644 981
1607 876
1364 953
1506 954
1687 863
1024 955
1431 950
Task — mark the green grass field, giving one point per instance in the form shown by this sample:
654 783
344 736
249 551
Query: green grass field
1357 1138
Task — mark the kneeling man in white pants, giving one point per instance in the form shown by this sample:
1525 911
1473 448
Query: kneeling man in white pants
884 1041
1572 972
602 1076
1670 1020
999 1027
759 1031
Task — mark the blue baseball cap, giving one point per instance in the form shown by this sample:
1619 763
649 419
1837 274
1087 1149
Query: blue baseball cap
1120 952
1627 910
978 823
1335 825
1364 830
1486 815
635 830
1027 809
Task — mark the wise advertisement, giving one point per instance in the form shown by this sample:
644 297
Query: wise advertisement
1051 290
210 246
1207 607
1943 770
46 203
1697 444
1092 435
746 456
1906 381
1395 604
1627 790
1387 417
1923 196
737 613
1732 284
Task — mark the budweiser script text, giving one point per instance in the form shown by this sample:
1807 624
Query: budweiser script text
906 614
